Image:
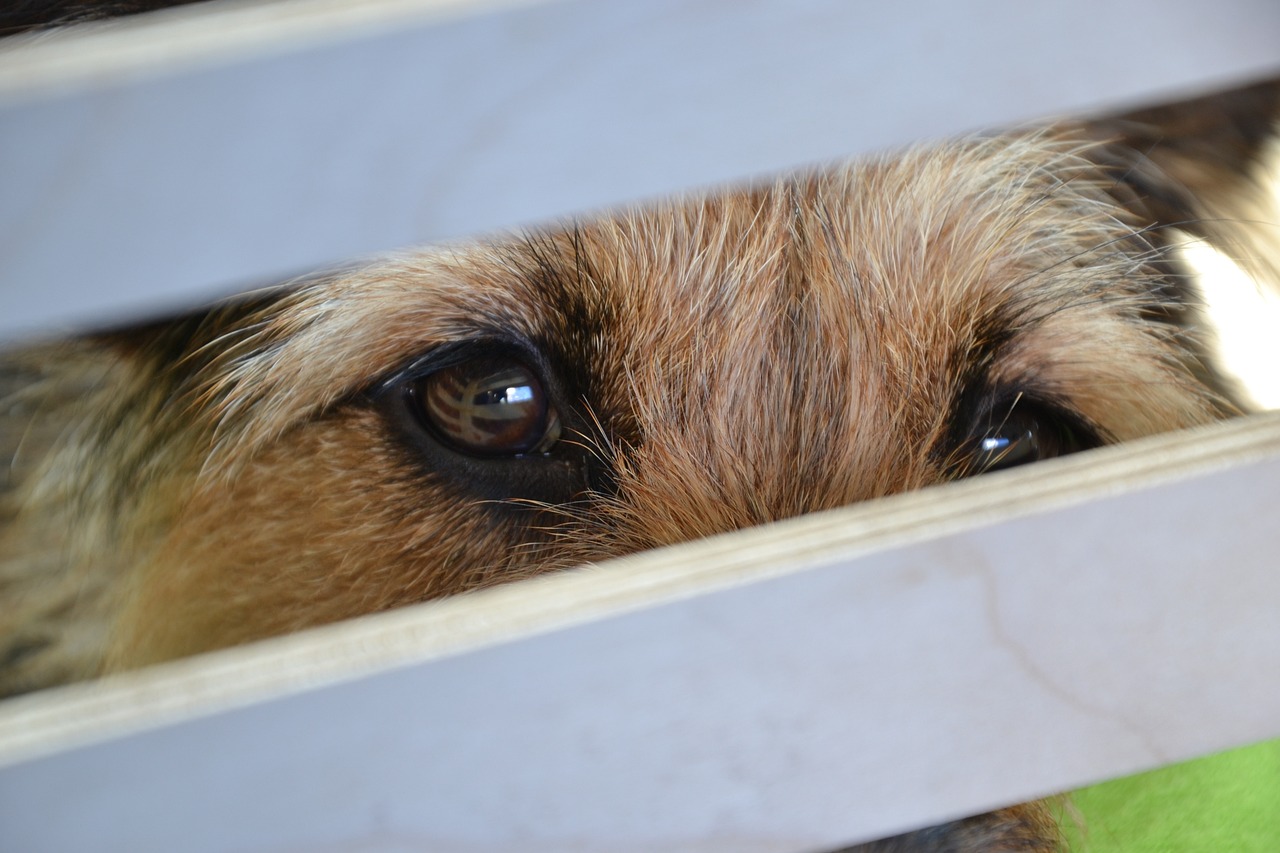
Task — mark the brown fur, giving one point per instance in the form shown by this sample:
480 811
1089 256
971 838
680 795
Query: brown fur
719 361
25 16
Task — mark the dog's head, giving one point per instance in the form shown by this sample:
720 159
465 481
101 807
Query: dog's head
476 415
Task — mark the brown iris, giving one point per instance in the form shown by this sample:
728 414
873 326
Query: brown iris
488 406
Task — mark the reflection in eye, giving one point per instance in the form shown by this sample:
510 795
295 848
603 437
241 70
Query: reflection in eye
1027 433
489 406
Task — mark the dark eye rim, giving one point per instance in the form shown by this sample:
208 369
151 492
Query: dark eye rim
505 484
454 353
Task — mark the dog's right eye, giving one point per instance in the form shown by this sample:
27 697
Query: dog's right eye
487 406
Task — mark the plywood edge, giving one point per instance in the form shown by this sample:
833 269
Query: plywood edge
100 54
66 718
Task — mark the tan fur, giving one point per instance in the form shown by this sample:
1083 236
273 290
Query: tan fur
744 357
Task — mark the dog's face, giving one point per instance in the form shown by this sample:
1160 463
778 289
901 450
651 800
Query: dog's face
472 416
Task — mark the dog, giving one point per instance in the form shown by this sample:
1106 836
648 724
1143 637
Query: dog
474 414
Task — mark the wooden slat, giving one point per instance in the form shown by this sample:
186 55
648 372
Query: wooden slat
179 156
788 688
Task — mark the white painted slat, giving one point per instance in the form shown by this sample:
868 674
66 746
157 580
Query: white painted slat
179 156
788 688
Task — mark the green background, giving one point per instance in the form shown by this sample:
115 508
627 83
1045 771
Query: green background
1227 802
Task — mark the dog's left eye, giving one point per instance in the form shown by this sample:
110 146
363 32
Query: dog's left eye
1027 433
487 406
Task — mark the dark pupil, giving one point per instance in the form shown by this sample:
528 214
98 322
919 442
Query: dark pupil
1006 450
486 407
1024 435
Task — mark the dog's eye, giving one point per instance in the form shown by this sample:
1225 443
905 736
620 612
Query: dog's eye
1026 433
487 406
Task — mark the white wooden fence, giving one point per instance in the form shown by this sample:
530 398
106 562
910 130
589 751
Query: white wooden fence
800 686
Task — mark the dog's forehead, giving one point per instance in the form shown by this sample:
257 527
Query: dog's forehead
909 259
903 237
